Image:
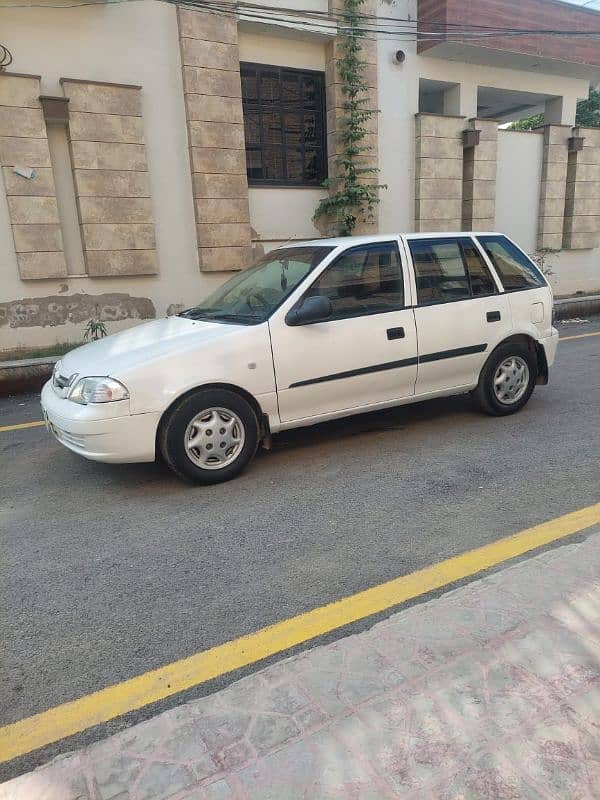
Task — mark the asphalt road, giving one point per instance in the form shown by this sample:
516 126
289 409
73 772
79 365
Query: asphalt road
109 571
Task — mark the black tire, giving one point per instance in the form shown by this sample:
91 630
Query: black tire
174 429
485 396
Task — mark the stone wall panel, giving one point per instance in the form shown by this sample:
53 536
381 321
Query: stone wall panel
115 210
213 103
582 205
439 157
105 128
553 186
22 122
121 262
108 153
33 210
111 183
42 265
118 236
102 98
42 184
37 238
32 205
479 177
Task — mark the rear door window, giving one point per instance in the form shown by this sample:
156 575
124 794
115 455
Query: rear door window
449 269
514 269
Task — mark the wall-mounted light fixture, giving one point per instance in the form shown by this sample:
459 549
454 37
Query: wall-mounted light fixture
56 109
470 138
575 144
399 57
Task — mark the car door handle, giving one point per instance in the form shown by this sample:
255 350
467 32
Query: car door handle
493 316
395 333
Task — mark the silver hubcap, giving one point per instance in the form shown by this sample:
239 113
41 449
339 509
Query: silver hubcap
511 380
214 438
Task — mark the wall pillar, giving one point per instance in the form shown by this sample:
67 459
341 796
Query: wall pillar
553 187
582 205
335 113
32 204
560 111
479 177
439 172
213 102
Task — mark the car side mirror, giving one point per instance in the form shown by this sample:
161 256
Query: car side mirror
311 309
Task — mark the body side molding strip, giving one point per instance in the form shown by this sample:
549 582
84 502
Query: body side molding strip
405 362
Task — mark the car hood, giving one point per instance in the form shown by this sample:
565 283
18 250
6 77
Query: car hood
116 355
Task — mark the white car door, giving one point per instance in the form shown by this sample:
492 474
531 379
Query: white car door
364 353
461 312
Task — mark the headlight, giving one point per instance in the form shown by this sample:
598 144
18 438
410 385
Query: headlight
98 390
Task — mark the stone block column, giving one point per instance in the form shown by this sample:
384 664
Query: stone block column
108 156
582 205
439 172
335 113
479 177
553 187
213 102
32 202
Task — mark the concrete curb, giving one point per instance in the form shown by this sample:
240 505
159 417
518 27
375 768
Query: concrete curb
574 307
31 374
26 375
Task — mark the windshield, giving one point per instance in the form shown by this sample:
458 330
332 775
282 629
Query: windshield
251 296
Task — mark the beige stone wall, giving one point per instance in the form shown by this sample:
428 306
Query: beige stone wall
582 205
479 177
335 112
32 205
553 186
213 100
112 188
438 172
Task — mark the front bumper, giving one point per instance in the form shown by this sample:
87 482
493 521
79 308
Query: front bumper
92 432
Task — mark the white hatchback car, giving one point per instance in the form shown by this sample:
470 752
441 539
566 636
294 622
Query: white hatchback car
313 331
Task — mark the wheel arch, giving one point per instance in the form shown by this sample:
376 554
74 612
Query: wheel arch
263 419
533 346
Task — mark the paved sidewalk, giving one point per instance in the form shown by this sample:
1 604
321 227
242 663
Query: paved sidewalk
491 692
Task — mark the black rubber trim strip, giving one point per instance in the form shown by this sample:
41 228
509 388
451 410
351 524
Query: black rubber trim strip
352 373
405 362
460 351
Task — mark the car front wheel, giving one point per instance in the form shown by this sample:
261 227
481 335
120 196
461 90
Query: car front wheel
209 436
507 380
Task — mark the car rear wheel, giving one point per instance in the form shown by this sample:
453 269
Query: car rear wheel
507 379
209 436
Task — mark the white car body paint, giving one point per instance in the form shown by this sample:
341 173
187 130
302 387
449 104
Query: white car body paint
161 361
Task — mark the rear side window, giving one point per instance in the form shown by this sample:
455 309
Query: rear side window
364 280
513 267
449 269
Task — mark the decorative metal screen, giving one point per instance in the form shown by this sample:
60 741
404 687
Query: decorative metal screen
284 124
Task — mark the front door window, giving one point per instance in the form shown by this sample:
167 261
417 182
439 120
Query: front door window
364 280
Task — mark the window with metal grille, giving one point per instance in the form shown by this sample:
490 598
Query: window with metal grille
284 125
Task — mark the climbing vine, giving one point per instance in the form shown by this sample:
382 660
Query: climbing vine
350 197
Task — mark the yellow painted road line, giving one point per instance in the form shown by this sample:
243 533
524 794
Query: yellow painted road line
579 336
70 718
21 426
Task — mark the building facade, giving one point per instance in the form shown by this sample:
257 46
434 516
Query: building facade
148 150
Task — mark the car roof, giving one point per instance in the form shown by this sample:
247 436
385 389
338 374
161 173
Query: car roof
350 241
